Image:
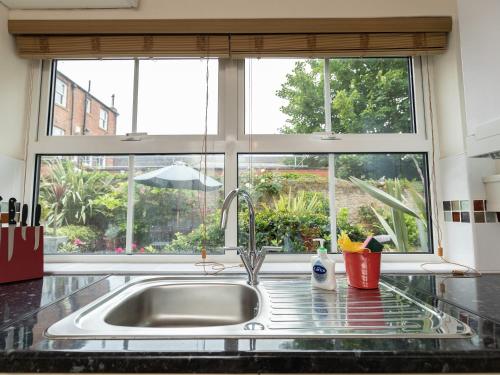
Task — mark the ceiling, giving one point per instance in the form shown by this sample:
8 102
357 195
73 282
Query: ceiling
69 4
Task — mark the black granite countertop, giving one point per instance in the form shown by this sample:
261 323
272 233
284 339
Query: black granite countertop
28 309
24 298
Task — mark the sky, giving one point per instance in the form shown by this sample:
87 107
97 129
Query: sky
171 97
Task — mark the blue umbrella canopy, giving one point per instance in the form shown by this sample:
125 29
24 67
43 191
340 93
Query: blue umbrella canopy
178 176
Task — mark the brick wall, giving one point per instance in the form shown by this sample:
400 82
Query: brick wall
72 118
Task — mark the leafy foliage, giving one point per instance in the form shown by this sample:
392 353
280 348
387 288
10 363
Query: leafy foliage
192 242
80 238
369 95
401 217
68 193
356 232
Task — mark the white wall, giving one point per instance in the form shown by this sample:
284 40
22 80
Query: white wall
11 177
479 30
466 83
256 9
447 85
13 84
13 88
479 36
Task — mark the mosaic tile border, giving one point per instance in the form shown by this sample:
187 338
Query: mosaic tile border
461 211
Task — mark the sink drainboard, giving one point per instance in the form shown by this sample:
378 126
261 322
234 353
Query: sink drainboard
384 311
198 308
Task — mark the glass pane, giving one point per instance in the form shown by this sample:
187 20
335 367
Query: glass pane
169 202
84 89
361 213
84 203
290 194
292 198
172 96
369 95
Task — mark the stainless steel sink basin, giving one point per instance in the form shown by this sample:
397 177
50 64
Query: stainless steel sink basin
204 307
186 305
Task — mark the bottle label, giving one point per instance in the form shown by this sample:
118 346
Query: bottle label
319 272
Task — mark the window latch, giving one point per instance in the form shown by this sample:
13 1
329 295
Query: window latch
134 137
327 136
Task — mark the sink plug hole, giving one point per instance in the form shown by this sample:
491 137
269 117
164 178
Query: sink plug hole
253 326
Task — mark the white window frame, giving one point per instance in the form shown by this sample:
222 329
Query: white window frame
103 121
88 105
230 141
57 131
64 94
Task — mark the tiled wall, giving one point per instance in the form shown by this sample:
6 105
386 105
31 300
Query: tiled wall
465 211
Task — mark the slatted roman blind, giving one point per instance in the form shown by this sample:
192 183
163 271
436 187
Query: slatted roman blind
41 39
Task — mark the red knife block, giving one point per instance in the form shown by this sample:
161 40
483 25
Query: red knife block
26 263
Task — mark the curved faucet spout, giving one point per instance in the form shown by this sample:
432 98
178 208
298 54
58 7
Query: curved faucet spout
251 259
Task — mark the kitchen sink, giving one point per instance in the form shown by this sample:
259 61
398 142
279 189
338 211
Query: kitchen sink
225 307
186 305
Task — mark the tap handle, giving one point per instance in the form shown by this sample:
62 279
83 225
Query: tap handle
238 249
272 249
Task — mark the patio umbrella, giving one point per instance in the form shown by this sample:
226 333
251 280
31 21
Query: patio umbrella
178 176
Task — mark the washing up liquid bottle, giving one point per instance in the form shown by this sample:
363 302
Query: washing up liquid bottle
323 268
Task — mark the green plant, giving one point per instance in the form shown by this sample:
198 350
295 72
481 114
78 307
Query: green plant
192 242
397 226
290 221
80 238
150 249
371 95
356 232
69 193
303 203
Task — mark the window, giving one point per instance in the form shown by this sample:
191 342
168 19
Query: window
172 96
368 95
293 195
57 131
60 93
85 199
109 83
103 119
90 161
268 131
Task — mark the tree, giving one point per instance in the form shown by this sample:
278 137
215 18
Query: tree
369 95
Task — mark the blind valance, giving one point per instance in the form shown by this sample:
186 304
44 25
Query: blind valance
41 39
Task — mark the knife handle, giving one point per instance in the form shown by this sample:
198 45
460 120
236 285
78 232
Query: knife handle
38 214
12 211
24 215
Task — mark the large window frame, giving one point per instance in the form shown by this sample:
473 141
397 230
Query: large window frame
231 140
103 119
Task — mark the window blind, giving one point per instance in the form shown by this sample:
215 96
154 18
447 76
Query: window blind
102 46
41 39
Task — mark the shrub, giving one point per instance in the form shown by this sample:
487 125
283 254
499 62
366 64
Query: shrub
290 221
80 238
356 232
192 242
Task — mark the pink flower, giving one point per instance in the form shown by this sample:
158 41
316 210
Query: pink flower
141 250
134 246
78 242
119 250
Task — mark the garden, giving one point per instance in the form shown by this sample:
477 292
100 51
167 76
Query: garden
86 209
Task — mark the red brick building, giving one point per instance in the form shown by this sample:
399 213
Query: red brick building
77 112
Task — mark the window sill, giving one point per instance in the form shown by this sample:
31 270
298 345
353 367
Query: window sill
192 269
